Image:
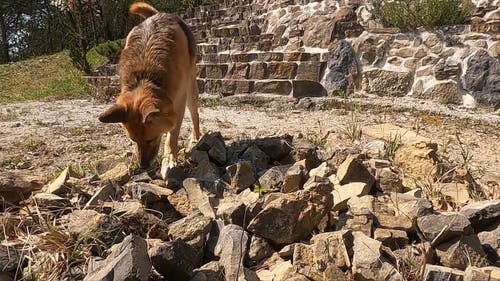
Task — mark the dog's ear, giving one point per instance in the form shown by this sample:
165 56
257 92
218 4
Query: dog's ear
114 114
149 110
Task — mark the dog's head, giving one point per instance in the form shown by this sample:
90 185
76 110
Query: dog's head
145 119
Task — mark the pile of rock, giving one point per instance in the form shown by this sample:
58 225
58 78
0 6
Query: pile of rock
275 208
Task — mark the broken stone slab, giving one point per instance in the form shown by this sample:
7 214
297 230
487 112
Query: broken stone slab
389 181
231 248
360 223
241 175
332 248
147 192
483 213
205 170
343 193
119 173
368 263
58 186
352 170
461 252
392 238
259 158
294 177
488 273
214 144
203 195
490 240
15 187
361 206
231 212
50 201
273 177
128 260
107 192
259 249
323 170
291 217
276 147
192 229
174 260
396 222
410 206
82 222
438 228
211 271
437 272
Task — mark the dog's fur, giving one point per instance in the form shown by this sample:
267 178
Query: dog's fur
158 79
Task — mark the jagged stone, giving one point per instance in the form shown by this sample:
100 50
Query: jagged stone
211 271
15 187
351 170
392 238
443 227
128 260
203 195
50 201
58 186
490 240
83 222
343 193
231 248
232 212
241 175
481 214
259 249
259 158
146 192
273 178
119 173
292 216
294 177
192 229
214 145
461 252
174 260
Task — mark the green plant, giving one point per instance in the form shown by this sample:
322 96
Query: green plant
353 127
465 155
393 144
411 14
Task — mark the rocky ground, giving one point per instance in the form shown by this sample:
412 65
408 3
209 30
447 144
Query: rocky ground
269 193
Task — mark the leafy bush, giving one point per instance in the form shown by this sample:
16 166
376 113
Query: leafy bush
411 14
111 50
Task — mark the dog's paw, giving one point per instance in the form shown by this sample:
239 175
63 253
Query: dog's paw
167 164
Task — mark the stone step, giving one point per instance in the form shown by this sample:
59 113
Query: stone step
225 57
283 87
263 70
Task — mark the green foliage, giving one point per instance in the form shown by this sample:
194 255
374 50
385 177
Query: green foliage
411 14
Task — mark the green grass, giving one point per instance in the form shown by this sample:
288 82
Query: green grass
43 78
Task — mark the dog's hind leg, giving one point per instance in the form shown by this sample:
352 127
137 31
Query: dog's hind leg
192 104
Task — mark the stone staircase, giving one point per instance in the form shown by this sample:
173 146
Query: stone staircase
236 56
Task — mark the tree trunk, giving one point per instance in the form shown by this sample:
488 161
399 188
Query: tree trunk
4 41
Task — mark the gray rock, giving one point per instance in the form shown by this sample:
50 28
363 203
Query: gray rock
341 65
107 192
214 144
203 195
58 186
483 213
351 170
259 249
461 252
439 228
389 180
436 272
241 175
294 177
392 238
342 194
50 201
231 212
15 187
323 171
211 271
231 248
333 248
128 260
276 147
387 83
192 229
174 260
83 222
293 216
410 206
147 193
368 263
481 77
490 240
259 158
273 178
489 273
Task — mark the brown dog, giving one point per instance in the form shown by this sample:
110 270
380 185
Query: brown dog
158 79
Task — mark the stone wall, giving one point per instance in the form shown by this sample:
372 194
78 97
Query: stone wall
305 48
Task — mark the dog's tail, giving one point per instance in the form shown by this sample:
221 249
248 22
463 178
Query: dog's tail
143 9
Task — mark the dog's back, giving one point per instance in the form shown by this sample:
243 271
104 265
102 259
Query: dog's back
152 45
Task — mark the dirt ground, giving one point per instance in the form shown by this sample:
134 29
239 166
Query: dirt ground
43 137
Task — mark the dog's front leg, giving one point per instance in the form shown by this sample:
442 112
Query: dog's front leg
170 152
